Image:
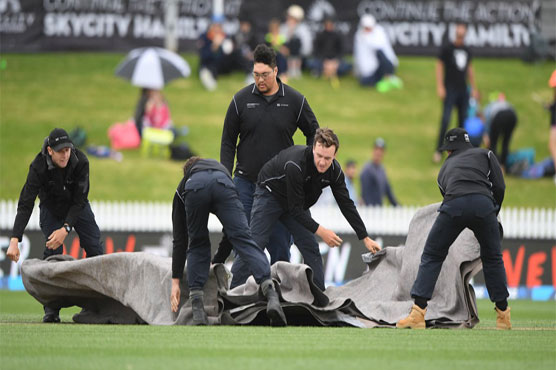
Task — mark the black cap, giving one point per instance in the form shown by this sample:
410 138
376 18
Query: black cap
59 139
456 138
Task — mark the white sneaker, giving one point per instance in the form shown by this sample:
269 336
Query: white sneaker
207 79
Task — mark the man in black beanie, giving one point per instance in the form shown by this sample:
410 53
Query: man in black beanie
472 184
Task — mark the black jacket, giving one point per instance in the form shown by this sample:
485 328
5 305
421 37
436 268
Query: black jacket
63 192
293 179
179 218
472 171
264 128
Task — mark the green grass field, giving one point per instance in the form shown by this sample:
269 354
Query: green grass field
28 344
41 91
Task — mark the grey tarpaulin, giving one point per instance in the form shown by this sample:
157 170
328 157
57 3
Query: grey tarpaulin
131 288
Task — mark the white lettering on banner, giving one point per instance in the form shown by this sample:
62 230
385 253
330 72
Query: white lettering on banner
10 5
451 11
148 27
24 249
336 263
84 5
196 7
86 24
414 34
497 35
501 11
145 6
191 28
397 10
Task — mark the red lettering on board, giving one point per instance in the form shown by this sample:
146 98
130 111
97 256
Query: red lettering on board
129 245
109 245
74 250
554 266
513 271
535 269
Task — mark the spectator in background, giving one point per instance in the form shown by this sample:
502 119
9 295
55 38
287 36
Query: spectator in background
218 56
374 58
326 198
453 73
500 121
374 182
245 40
277 41
299 40
328 50
152 111
140 110
552 109
157 112
350 171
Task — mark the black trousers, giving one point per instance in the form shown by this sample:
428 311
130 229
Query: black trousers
502 126
454 97
478 213
214 192
266 212
85 227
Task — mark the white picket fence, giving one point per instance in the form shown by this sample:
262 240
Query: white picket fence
526 223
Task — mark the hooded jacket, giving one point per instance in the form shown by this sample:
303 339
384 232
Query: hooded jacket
291 176
63 191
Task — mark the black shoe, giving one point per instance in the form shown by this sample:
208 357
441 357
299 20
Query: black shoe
51 317
274 311
198 310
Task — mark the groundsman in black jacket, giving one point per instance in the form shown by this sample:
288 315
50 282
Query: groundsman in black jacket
289 184
472 184
59 175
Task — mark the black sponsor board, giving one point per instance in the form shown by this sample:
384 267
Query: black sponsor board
418 27
528 263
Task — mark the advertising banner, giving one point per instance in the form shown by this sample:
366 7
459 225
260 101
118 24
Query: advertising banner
530 264
418 27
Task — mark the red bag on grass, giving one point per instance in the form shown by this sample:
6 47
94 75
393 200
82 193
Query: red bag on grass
124 136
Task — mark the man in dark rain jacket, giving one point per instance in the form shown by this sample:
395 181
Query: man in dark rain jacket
207 187
264 116
289 184
472 185
59 175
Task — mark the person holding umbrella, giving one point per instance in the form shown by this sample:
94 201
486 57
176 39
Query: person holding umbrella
472 184
151 69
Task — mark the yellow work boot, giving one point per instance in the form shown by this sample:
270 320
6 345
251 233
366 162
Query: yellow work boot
503 319
415 320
